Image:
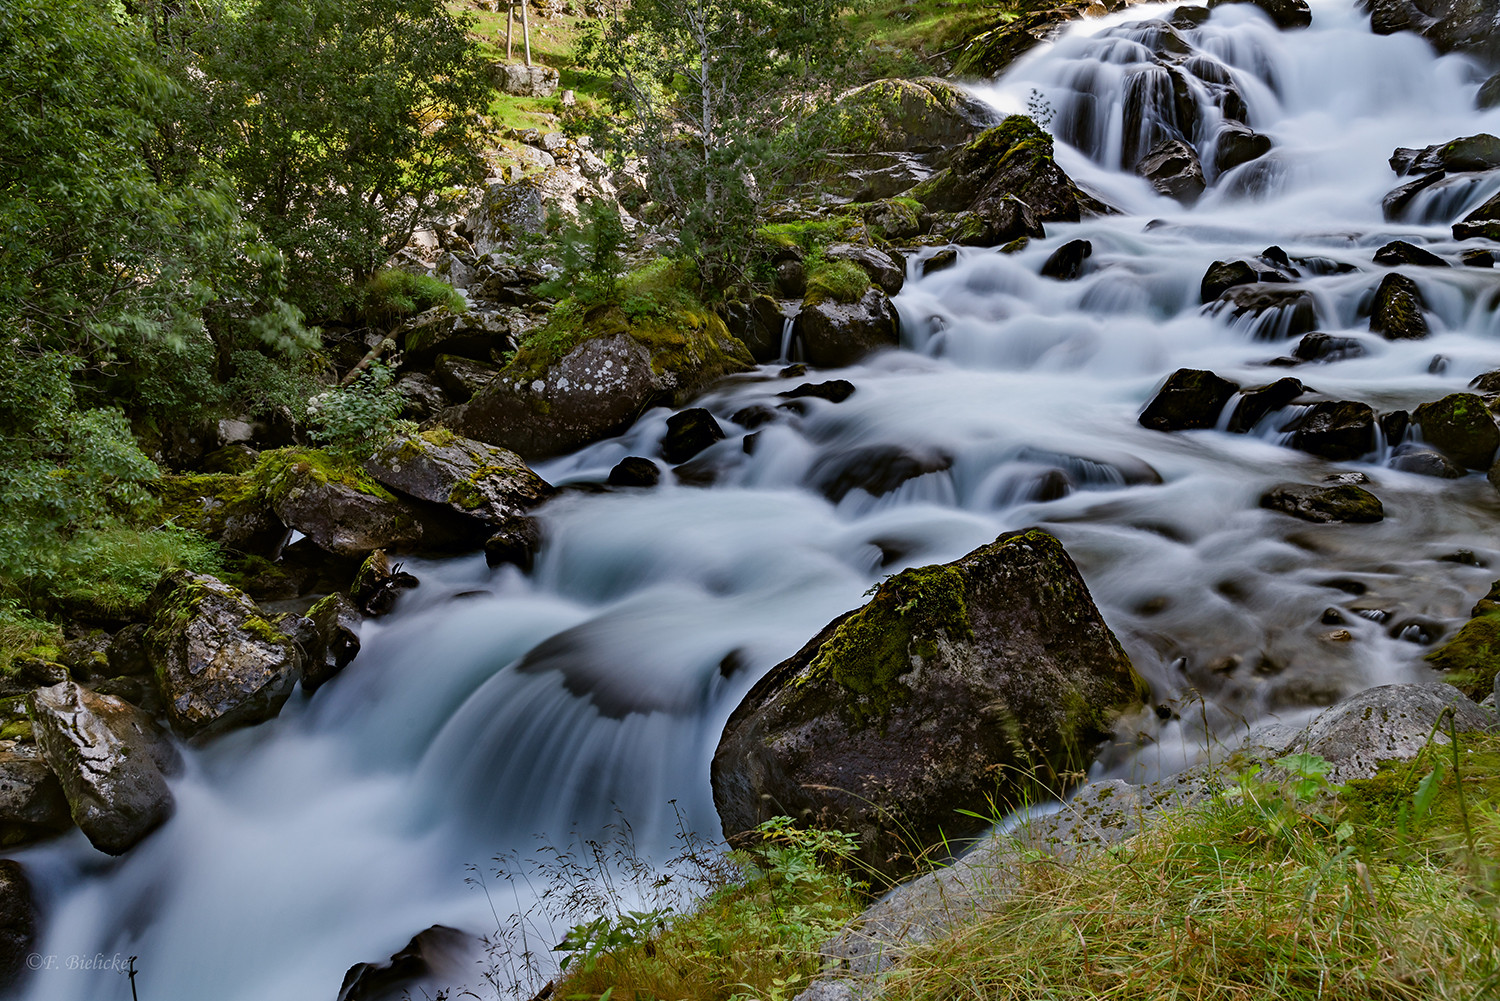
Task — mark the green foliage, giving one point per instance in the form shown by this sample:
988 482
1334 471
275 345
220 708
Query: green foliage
351 422
110 572
393 294
841 281
588 252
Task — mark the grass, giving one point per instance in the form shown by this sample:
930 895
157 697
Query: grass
912 38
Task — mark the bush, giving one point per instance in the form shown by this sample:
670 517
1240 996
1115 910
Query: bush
353 421
394 294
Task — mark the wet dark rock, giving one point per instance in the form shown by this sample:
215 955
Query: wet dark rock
1410 457
880 266
1280 311
515 543
32 804
1341 430
1255 404
343 512
791 279
875 469
635 471
1011 160
111 760
1396 200
437 951
219 662
834 390
688 433
795 370
461 378
836 334
754 416
897 714
1483 222
1476 152
1003 222
758 325
1422 632
940 261
18 922
333 639
1239 144
599 387
1486 383
1188 17
377 584
1394 424
1489 94
1462 427
1285 13
1321 347
1066 262
1324 504
477 481
1478 258
1191 398
1399 252
424 397
1173 169
1222 276
1397 311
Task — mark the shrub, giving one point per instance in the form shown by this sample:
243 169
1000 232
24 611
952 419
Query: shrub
351 422
393 294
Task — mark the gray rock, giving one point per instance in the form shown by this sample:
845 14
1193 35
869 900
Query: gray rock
1389 723
18 922
219 662
461 378
524 81
32 804
956 686
470 478
333 640
1173 169
423 396
344 513
835 334
879 265
111 760
1344 503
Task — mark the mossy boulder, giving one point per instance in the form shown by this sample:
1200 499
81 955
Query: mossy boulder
1470 660
835 333
111 760
1190 399
966 686
1344 502
485 483
1015 33
219 662
1462 427
332 639
336 505
593 382
1013 160
1396 313
923 115
1341 430
230 509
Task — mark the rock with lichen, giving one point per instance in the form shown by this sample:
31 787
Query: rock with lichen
218 662
483 482
1461 426
336 505
965 686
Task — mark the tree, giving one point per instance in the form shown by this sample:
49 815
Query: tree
711 91
345 124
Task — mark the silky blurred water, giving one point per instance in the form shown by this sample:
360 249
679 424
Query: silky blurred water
492 708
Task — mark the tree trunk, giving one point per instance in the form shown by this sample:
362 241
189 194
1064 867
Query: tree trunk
510 21
526 29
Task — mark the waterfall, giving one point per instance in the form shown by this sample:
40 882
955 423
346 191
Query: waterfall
494 707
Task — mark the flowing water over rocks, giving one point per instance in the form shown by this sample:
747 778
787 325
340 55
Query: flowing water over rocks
491 706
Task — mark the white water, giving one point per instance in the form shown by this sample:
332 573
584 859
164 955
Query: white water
336 832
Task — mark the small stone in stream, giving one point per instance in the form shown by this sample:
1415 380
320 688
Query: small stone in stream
1399 252
750 442
1332 617
1462 427
1478 258
515 542
1422 632
1279 311
1397 312
635 471
1324 504
1066 262
1222 276
1348 477
940 261
688 433
18 921
1325 347
1486 383
1409 457
377 584
834 390
1393 425
333 641
794 371
753 416
1465 556
1172 168
1239 144
1256 403
1191 398
1341 430
1438 365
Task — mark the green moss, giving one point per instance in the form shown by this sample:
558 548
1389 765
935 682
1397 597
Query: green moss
281 469
811 233
872 648
263 630
1384 805
839 281
1471 659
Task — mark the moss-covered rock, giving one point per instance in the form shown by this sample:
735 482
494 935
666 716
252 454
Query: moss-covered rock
1396 313
1470 660
913 116
1345 502
1341 430
1462 427
230 509
219 662
966 686
835 333
485 483
338 506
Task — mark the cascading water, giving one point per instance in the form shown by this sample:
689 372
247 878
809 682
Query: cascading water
492 707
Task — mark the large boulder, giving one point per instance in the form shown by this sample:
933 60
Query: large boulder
1471 26
111 759
1011 160
967 686
555 398
1396 313
18 923
227 508
924 115
1341 430
1190 399
1173 169
32 804
219 662
524 81
834 334
470 478
340 508
1476 152
1462 427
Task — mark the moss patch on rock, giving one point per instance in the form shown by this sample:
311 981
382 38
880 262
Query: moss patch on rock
1471 659
836 281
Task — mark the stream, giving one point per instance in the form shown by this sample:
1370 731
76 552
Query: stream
493 708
